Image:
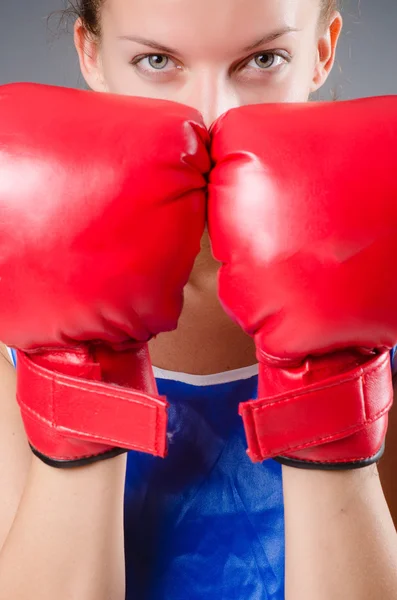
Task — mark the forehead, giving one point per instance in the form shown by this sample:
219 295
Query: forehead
190 24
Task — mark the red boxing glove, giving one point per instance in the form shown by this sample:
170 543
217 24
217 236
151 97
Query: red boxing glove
303 217
102 209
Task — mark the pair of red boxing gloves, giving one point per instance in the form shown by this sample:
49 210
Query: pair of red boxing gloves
103 202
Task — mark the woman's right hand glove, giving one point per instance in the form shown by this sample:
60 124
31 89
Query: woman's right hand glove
102 209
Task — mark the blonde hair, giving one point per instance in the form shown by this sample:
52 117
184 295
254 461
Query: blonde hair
328 8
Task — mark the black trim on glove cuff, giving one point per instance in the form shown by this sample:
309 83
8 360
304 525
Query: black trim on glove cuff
79 462
320 466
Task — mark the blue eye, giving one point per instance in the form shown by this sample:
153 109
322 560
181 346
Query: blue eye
158 61
155 64
266 60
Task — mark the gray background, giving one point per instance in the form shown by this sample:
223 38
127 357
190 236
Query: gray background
31 50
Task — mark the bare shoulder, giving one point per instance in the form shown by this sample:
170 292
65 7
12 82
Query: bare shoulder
4 353
15 455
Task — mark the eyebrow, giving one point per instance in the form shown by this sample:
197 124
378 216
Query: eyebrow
149 43
266 39
270 37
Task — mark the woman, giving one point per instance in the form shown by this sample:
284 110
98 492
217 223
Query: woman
221 532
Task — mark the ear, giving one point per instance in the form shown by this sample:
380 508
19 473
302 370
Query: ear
326 50
87 47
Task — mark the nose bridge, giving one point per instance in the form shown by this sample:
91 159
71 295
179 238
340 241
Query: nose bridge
211 92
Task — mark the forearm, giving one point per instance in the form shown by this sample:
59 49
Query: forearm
340 538
15 454
66 541
388 462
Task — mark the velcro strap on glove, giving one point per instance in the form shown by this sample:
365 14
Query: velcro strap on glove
92 411
324 412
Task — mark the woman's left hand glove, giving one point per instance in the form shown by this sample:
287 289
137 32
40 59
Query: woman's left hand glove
303 217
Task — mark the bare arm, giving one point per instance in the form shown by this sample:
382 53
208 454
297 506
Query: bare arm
61 530
15 454
66 541
388 463
340 538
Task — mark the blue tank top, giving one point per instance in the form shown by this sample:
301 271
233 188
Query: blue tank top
205 523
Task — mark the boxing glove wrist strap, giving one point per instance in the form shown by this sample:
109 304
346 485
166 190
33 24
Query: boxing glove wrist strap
111 416
324 412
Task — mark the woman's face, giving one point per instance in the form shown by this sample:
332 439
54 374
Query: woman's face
212 55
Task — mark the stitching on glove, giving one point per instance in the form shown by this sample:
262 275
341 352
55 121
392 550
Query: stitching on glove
97 386
264 404
84 436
